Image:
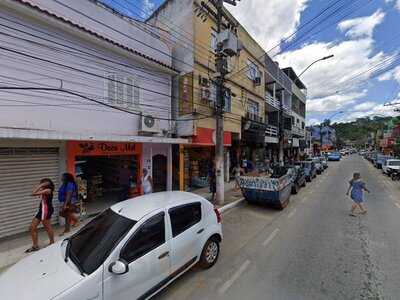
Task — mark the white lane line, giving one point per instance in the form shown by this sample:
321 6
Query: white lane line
291 214
271 237
397 204
235 277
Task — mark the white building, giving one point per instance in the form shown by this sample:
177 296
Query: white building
92 96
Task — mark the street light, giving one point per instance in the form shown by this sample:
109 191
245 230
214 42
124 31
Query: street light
321 59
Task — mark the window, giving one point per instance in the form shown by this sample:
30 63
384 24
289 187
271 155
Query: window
184 217
253 71
302 125
94 242
252 109
227 100
123 90
214 40
147 238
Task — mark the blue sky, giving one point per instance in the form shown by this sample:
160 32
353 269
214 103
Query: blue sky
363 35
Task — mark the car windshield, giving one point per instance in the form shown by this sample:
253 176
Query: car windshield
394 163
91 245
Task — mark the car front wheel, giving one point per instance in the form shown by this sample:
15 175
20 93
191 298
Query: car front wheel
210 253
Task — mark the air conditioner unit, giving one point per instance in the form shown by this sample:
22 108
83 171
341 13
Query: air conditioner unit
205 94
257 81
149 124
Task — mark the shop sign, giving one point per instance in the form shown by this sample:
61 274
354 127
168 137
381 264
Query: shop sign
101 148
206 137
186 94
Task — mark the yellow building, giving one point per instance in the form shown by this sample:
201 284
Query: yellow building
193 40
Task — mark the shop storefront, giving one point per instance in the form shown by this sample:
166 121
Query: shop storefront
199 156
22 165
106 172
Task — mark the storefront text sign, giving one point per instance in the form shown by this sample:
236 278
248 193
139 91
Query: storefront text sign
82 148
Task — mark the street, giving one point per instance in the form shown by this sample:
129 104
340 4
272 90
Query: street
311 250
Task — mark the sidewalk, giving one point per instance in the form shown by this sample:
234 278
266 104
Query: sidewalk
231 194
13 249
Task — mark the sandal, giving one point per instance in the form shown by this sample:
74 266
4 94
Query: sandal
364 212
352 215
32 249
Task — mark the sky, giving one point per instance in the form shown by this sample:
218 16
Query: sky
363 36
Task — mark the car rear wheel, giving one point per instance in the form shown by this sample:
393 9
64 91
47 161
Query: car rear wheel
210 253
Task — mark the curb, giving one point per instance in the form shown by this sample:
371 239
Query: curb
231 205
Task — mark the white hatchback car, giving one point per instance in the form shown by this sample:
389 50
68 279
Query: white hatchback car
130 251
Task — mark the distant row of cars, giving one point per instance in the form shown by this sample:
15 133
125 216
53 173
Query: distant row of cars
390 165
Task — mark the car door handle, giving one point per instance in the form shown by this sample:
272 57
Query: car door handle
165 254
200 231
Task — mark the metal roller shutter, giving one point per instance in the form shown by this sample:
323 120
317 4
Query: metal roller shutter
20 170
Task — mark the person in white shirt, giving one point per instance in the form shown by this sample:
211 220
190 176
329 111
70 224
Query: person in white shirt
147 182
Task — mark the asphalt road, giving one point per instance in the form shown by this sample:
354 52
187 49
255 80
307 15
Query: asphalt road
311 250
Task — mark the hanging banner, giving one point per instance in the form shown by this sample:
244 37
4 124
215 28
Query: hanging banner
186 94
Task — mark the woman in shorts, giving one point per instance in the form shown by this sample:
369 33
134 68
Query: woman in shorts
45 192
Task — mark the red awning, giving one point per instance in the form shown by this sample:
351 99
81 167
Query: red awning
206 137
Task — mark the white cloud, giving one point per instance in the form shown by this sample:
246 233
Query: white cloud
391 75
365 106
362 27
396 3
269 21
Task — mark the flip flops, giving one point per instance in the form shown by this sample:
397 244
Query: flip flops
32 249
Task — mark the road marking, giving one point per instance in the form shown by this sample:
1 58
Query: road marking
235 277
291 213
271 237
397 204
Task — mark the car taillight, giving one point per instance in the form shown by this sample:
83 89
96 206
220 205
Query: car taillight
218 214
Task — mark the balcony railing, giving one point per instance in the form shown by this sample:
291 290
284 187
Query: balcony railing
271 131
254 117
272 101
298 131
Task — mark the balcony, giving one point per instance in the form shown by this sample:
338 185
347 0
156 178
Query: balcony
254 117
298 131
301 94
272 101
271 130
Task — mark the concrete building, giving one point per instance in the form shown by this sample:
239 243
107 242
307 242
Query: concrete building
93 97
193 52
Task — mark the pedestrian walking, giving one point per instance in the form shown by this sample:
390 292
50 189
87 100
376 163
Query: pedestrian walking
212 181
357 187
147 182
68 198
45 192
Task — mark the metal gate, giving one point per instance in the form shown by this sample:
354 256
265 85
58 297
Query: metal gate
20 170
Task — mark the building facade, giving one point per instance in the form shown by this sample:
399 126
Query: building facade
244 109
86 91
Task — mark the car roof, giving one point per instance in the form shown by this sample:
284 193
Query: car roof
138 207
393 159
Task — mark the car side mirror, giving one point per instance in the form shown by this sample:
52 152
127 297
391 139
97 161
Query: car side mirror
118 267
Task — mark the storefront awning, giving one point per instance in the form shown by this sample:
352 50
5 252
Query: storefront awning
206 137
41 134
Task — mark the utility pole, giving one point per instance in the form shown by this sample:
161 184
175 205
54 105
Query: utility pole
224 43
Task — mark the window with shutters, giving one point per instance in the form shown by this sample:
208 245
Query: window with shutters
122 90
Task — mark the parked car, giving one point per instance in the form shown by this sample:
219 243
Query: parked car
318 165
380 160
309 170
395 175
130 251
390 165
324 162
298 177
334 156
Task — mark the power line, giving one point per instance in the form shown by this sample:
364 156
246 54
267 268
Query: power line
96 101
